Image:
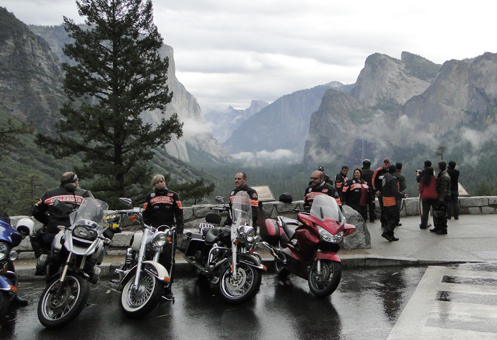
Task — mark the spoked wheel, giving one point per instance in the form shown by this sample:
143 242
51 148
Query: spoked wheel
138 301
325 283
60 303
243 287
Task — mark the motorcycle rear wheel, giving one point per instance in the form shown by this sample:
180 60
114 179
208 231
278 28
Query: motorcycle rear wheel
55 309
241 289
326 283
136 303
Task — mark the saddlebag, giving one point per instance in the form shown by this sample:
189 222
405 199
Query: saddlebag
270 232
191 243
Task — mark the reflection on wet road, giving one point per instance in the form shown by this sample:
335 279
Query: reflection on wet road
366 305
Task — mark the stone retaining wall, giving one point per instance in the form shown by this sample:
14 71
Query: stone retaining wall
360 239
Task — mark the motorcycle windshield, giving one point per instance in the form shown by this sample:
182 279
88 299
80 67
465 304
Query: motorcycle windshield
90 209
325 207
241 210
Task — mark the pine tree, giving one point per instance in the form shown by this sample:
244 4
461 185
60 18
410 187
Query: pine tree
193 192
118 74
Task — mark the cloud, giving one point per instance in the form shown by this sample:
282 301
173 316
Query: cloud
267 157
230 52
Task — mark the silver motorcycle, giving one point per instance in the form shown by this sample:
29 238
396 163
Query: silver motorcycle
143 278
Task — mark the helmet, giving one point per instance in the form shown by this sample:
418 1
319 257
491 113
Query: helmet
286 198
25 226
366 162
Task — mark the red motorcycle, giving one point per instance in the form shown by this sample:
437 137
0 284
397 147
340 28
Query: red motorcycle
308 247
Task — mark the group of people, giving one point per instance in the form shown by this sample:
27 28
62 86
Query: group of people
439 193
388 183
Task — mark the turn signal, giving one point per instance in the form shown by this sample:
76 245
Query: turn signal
167 279
132 218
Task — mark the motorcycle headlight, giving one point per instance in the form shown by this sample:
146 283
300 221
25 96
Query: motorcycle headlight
4 250
85 233
329 237
159 240
247 233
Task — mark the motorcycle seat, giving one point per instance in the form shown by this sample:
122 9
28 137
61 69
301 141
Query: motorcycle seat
210 235
289 225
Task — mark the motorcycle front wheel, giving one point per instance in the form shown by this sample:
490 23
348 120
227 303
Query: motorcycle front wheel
239 289
60 303
4 305
325 283
137 302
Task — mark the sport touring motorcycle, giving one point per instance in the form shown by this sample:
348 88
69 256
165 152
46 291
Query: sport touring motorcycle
308 247
225 256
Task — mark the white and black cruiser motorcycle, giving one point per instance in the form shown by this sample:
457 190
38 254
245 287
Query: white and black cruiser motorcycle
73 263
225 256
143 278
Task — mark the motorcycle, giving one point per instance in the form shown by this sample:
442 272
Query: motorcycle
143 278
308 247
73 263
225 256
10 238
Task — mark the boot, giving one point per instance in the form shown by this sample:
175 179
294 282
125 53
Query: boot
168 294
442 231
389 236
434 230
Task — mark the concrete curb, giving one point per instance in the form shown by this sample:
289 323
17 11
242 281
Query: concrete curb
348 261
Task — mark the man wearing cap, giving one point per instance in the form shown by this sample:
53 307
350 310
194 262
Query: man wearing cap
377 182
69 193
327 178
390 193
163 207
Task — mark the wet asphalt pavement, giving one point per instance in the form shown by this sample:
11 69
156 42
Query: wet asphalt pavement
366 305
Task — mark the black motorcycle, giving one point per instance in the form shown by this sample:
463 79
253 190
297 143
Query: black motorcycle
225 256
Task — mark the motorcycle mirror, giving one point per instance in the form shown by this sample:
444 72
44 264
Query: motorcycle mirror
126 201
220 199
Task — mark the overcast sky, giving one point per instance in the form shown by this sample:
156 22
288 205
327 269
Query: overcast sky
228 52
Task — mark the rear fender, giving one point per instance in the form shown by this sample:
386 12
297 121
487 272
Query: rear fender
320 255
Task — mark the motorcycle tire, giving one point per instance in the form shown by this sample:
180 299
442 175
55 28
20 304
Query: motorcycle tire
57 309
326 283
241 289
138 303
4 305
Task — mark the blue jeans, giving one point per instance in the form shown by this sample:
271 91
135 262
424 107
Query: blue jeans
453 203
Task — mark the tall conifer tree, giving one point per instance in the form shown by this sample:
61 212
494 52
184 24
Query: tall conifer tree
117 75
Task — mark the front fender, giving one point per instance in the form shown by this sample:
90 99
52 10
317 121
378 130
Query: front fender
248 259
5 284
162 274
328 255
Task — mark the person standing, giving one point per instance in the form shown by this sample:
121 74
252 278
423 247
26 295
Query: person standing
428 195
340 179
390 192
69 193
355 194
454 191
327 178
367 175
377 181
164 207
402 185
443 197
241 185
319 187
